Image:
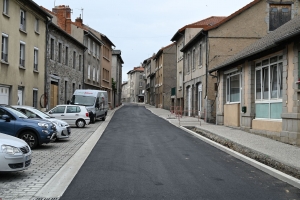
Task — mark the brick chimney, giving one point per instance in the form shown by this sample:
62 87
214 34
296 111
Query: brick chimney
63 14
78 21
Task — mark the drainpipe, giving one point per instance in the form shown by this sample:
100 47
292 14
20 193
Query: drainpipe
46 61
216 92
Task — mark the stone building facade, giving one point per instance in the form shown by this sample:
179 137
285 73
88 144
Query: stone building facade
64 66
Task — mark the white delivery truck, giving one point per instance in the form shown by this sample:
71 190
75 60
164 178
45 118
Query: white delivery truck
95 101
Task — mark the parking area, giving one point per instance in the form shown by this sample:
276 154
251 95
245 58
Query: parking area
46 161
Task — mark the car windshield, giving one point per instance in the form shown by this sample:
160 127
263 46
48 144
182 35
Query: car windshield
41 114
16 112
83 100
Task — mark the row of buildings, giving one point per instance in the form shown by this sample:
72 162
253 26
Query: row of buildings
242 70
45 56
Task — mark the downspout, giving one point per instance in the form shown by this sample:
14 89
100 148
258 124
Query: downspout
46 61
216 76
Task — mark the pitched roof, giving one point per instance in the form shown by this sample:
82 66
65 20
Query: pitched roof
273 39
210 21
207 28
249 5
161 50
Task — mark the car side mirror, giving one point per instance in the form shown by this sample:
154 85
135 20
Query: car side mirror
6 118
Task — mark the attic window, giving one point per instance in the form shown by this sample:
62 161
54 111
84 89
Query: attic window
279 15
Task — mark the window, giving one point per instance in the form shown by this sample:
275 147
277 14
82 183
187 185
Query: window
22 20
4 48
141 76
36 25
52 49
22 54
97 51
35 98
67 56
35 59
279 15
59 52
79 62
94 73
193 59
66 91
141 84
59 109
233 87
268 88
180 80
5 6
73 88
89 72
200 54
98 75
89 45
188 62
106 52
74 59
93 49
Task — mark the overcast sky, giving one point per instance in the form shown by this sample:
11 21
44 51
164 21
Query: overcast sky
140 28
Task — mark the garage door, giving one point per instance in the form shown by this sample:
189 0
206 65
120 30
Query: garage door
4 94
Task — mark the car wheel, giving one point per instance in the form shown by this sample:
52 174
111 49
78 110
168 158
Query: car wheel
80 123
30 138
93 119
103 118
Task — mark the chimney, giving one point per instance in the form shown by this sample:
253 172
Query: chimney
78 21
63 14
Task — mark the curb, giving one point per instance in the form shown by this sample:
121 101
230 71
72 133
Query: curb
271 171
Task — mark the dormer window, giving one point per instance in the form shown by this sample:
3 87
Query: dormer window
279 15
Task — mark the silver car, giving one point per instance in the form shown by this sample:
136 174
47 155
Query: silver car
15 154
62 127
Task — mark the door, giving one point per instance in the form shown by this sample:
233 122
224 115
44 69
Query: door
7 127
20 97
54 95
72 114
4 95
199 99
58 112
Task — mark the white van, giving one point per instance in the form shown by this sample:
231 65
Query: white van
95 101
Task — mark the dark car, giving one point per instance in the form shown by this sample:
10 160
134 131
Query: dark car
34 131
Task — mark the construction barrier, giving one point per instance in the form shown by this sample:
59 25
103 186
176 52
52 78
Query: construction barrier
178 113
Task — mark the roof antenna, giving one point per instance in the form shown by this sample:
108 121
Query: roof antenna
54 3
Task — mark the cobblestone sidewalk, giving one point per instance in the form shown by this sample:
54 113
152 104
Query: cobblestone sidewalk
46 161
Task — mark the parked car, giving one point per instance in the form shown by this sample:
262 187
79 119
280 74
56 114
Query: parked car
34 131
15 154
95 101
72 114
63 129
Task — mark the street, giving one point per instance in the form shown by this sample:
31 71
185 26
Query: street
141 156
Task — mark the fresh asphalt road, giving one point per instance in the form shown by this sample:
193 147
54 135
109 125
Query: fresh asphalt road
141 156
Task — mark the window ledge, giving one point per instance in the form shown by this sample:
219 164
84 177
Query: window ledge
105 80
36 71
4 62
36 32
23 31
22 67
5 15
230 103
106 58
